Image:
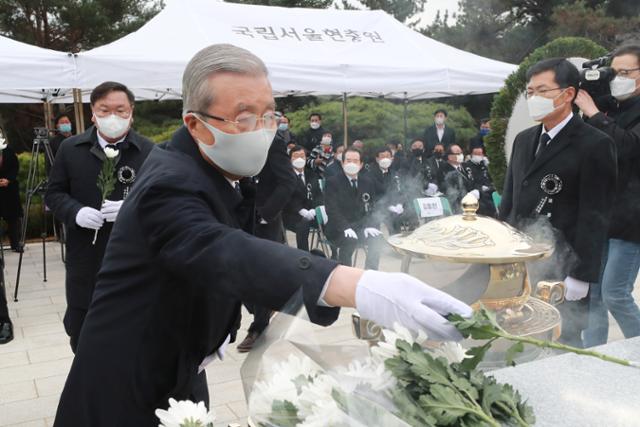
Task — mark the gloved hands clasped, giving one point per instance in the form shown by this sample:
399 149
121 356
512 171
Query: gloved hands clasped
89 218
110 209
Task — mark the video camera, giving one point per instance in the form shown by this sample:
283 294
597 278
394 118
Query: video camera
40 133
595 77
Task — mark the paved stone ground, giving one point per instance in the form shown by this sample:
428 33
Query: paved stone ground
33 367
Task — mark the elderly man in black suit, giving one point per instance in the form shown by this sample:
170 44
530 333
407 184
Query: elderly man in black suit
351 204
562 173
75 199
299 214
179 260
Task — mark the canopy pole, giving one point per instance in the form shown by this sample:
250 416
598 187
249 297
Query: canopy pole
48 114
344 119
78 110
406 126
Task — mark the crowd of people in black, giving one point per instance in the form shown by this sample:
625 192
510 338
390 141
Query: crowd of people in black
575 173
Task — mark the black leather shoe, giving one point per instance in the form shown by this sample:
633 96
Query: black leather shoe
247 344
17 249
6 332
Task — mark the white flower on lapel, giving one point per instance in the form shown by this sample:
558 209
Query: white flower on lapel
3 143
110 152
185 414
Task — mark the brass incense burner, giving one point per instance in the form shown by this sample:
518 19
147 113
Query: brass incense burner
496 276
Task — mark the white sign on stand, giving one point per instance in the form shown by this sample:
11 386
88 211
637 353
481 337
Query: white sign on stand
430 207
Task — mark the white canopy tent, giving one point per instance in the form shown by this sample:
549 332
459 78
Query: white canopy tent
307 51
31 74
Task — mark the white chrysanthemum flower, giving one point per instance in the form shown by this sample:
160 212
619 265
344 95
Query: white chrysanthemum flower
185 414
452 351
110 152
387 349
316 392
3 144
326 413
366 373
264 393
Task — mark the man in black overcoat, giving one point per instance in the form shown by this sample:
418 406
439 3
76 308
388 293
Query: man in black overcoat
75 199
179 263
300 213
352 211
439 132
562 173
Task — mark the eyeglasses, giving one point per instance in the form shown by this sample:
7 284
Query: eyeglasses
247 123
626 73
528 94
125 114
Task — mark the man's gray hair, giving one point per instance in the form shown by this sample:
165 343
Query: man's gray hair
217 58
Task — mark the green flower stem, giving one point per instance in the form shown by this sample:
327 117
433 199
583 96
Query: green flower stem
480 413
558 346
515 413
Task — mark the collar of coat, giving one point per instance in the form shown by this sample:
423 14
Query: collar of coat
90 136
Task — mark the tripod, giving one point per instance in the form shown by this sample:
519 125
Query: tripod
35 185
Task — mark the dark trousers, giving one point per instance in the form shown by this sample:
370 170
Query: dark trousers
302 228
13 231
4 308
200 391
346 247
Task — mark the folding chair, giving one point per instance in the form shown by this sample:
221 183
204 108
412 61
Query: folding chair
321 241
497 199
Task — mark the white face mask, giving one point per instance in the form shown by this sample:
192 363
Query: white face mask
439 120
351 168
112 126
540 107
314 125
622 87
325 141
385 163
242 154
298 163
477 159
460 158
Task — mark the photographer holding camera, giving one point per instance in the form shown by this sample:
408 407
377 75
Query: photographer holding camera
622 259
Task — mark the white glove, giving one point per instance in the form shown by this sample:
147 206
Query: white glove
89 218
263 222
110 210
431 190
387 298
350 233
475 193
371 232
399 209
394 209
576 289
485 188
308 214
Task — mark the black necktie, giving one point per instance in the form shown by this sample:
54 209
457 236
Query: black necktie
236 186
301 177
543 143
354 184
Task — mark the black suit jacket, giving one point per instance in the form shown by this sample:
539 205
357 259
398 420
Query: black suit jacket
307 195
72 186
431 138
455 184
347 208
571 183
389 185
176 268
